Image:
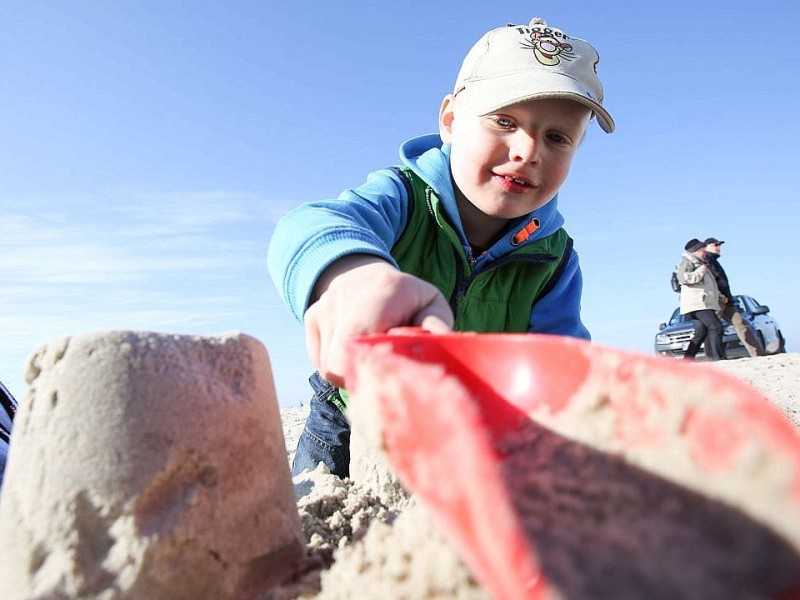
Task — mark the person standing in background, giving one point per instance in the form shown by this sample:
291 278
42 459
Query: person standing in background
728 309
700 300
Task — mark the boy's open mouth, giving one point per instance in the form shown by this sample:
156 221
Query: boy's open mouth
514 181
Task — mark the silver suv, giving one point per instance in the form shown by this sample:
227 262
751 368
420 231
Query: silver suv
8 408
674 336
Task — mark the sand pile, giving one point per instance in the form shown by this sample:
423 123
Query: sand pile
662 531
360 546
148 466
155 466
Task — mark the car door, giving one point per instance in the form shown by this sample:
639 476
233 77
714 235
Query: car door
762 322
8 408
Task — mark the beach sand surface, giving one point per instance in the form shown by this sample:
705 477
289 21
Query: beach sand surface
363 545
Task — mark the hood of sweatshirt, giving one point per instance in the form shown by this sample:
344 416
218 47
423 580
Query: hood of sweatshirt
430 159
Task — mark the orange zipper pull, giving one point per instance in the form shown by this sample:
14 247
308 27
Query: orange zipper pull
524 233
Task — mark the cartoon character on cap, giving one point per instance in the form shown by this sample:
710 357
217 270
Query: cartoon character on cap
517 63
548 49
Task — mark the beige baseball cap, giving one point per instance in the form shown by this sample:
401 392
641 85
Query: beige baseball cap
517 63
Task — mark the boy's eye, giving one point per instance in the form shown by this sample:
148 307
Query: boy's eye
504 122
557 138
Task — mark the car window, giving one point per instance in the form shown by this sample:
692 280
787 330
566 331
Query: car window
8 406
677 317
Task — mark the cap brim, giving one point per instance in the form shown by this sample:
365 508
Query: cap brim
489 95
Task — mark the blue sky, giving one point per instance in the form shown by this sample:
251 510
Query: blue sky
148 148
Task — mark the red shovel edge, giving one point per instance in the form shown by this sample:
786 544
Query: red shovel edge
536 455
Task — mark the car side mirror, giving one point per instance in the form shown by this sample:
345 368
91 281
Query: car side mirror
761 310
662 326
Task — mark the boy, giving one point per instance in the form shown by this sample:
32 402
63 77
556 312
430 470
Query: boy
465 235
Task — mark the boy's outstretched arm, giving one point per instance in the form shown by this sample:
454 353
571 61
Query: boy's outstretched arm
361 294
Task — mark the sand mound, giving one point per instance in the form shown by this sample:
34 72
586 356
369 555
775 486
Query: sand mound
401 549
148 466
156 466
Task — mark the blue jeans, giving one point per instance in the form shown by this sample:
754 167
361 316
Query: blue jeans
326 435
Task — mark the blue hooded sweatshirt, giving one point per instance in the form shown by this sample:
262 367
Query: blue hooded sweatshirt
370 218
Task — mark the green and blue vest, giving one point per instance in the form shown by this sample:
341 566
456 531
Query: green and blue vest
500 296
496 299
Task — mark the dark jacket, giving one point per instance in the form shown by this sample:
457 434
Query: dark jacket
719 274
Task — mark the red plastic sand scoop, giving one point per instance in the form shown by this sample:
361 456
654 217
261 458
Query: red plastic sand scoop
559 468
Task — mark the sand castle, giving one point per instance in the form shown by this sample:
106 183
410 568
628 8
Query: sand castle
148 465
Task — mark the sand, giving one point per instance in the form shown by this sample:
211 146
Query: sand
147 465
109 522
357 541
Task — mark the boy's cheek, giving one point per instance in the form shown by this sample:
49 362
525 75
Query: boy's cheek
460 170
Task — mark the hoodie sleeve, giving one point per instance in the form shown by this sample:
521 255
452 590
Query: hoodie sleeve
363 220
559 312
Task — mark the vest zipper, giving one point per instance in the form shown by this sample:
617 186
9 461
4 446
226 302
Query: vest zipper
463 283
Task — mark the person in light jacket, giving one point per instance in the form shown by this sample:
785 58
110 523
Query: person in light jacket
700 300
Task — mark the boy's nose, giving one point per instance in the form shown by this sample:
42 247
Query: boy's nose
524 147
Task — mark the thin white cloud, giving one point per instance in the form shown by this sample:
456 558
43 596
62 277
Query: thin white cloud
193 262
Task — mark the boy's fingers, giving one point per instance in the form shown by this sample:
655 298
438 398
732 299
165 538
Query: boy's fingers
324 345
332 377
436 317
332 362
434 313
435 324
318 340
337 317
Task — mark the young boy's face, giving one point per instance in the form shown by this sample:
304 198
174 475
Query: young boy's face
509 163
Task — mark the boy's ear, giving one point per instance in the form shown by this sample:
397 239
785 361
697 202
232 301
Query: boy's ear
446 116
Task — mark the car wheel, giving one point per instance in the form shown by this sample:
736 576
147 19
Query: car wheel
781 343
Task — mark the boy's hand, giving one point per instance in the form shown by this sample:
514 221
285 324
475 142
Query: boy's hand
359 295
